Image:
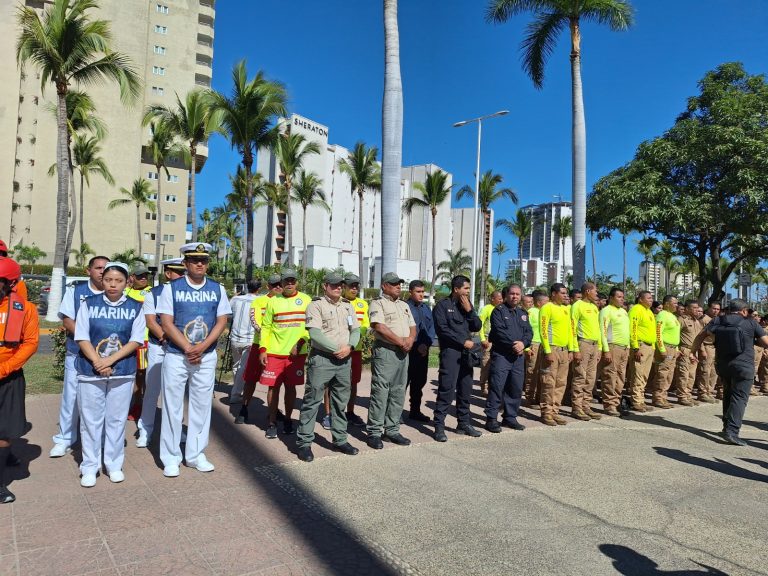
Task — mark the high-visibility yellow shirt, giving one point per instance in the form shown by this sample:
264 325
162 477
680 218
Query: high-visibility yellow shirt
642 326
284 324
485 318
136 294
586 322
667 330
533 320
555 327
258 306
360 307
614 327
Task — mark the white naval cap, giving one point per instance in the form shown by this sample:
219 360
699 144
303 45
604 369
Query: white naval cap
173 264
196 249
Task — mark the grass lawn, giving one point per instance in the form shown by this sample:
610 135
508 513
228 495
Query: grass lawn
38 373
45 324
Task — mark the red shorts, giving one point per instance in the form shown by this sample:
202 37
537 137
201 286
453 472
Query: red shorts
253 367
357 366
288 370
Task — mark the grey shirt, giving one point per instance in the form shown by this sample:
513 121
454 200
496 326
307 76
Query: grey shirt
750 330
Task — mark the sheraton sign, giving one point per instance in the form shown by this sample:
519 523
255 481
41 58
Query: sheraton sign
310 127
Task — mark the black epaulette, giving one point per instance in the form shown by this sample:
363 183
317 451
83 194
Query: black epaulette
345 300
316 298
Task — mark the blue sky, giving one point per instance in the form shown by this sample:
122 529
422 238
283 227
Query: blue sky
330 56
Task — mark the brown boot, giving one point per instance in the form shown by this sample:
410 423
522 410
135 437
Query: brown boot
663 404
612 412
548 420
640 408
580 415
685 402
592 415
560 420
706 398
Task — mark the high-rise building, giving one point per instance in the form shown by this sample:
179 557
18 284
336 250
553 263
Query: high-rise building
651 277
544 243
170 45
463 231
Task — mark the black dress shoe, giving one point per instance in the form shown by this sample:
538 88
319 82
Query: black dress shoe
469 430
397 438
346 448
375 442
6 496
305 454
735 440
12 460
242 416
514 424
440 434
418 416
492 425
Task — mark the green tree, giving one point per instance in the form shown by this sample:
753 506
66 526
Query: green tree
193 121
86 160
307 192
499 249
140 195
645 246
521 227
434 192
456 263
665 255
28 254
364 173
81 255
67 47
563 228
550 18
129 257
247 117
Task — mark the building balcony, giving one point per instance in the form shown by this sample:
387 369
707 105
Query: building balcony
206 22
203 69
207 8
203 80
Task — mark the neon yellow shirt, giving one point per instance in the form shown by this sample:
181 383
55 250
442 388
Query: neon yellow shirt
283 324
555 327
667 330
360 307
258 306
533 320
485 318
642 326
586 322
614 327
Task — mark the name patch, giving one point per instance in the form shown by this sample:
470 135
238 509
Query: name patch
201 296
112 313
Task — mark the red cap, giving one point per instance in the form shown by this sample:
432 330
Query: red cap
9 269
3 247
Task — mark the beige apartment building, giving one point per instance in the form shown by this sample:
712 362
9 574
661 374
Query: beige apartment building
170 43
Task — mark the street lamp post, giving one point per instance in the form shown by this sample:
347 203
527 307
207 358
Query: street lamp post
477 192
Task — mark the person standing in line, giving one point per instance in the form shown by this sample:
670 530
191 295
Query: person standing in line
173 268
557 345
686 370
19 335
510 335
333 333
194 311
241 337
394 333
138 288
642 342
706 375
283 349
614 338
667 350
532 355
253 367
586 356
109 328
68 413
455 321
418 357
485 328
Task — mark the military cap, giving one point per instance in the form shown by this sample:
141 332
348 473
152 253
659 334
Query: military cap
351 279
273 279
196 249
288 273
391 278
333 278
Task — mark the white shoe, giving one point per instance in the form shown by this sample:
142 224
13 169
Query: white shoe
116 476
58 451
171 471
201 463
143 440
88 480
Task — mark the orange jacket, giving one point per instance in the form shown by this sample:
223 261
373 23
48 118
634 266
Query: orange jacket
14 357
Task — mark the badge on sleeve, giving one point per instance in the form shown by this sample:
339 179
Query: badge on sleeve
18 306
524 318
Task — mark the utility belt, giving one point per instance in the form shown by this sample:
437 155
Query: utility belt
587 340
387 345
558 348
328 355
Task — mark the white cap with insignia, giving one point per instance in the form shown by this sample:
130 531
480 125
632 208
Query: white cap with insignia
196 249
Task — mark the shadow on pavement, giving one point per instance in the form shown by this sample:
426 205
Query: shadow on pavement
631 563
755 424
716 465
662 422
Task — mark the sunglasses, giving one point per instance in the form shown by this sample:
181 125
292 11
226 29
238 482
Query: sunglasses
197 260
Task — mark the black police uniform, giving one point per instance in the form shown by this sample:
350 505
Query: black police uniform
508 325
418 365
454 326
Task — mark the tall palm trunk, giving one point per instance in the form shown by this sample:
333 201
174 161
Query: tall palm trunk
192 204
73 216
360 200
484 256
563 253
288 223
82 208
579 174
304 249
247 163
434 256
62 207
520 256
159 225
392 140
624 262
594 260
138 231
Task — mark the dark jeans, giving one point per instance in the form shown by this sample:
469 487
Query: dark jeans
506 386
454 380
737 384
417 378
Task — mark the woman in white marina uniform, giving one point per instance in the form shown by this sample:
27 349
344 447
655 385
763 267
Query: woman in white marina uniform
109 329
193 313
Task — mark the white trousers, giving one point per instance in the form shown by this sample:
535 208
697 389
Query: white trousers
68 409
152 383
177 371
104 406
239 361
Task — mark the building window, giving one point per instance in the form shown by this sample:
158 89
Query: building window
150 216
169 237
162 8
173 178
148 236
161 29
148 256
158 91
170 198
169 217
158 70
153 197
151 175
159 49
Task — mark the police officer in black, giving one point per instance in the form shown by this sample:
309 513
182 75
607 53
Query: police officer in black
510 335
455 319
735 333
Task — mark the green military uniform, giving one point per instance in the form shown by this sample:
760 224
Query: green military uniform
331 326
389 365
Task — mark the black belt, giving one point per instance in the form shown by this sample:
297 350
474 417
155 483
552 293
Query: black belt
327 355
387 345
561 348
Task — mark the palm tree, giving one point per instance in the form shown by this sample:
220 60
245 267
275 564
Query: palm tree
645 247
364 172
665 255
458 262
306 192
521 227
563 228
435 191
128 257
81 255
86 159
163 148
192 121
140 195
68 47
500 249
391 139
550 18
291 150
246 117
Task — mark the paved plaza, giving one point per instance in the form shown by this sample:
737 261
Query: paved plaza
651 495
